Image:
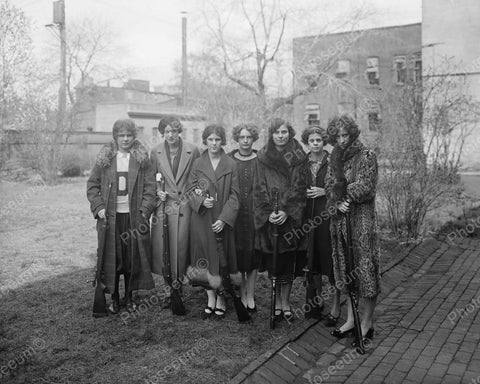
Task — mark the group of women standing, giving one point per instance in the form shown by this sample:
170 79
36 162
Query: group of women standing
224 208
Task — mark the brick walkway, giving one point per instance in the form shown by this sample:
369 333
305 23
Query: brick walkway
427 329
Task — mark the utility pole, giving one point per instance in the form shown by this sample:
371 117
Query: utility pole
59 19
184 59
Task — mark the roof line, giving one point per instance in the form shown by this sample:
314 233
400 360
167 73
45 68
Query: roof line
358 30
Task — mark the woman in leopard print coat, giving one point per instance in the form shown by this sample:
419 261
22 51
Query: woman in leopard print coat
351 186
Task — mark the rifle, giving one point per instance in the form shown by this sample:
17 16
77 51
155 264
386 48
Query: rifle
177 306
99 301
273 276
357 330
242 312
311 289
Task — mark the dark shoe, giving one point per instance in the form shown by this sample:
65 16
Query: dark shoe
339 334
114 307
219 313
207 312
252 310
288 315
366 339
315 313
130 306
330 320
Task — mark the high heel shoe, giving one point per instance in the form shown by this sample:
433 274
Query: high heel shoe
330 320
366 339
339 334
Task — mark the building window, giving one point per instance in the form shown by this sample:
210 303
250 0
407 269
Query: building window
343 69
140 130
312 114
400 69
154 131
373 73
416 63
373 121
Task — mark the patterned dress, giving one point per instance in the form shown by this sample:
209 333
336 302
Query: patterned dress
361 172
244 229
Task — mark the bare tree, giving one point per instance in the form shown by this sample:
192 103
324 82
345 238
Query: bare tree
15 64
424 130
249 62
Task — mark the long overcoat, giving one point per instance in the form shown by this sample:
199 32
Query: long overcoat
282 172
141 193
177 210
222 184
361 173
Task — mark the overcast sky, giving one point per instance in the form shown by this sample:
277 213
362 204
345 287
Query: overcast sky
150 30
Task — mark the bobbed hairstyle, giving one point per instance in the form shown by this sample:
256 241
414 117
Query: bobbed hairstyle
312 130
252 128
127 124
217 130
172 121
338 123
276 123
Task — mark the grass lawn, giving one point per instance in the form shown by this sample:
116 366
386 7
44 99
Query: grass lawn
47 333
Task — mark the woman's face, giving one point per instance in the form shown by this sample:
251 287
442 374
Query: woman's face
281 136
343 137
315 143
214 143
172 136
245 140
125 140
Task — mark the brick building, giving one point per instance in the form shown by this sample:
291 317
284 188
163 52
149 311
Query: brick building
357 69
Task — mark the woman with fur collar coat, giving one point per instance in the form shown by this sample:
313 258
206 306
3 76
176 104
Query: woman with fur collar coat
280 170
123 172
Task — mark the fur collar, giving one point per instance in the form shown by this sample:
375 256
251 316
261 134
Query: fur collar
109 151
337 161
291 156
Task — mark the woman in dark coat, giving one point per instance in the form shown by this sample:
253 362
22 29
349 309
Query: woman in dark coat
280 170
319 246
123 173
351 186
215 208
247 163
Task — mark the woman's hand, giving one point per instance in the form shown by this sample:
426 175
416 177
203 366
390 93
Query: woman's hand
218 226
208 202
314 192
344 207
101 214
278 218
162 195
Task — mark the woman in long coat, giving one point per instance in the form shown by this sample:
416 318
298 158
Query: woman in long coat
280 170
127 244
351 186
215 208
247 167
319 248
173 159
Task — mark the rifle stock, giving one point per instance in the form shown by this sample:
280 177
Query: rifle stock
99 301
273 276
310 290
351 288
